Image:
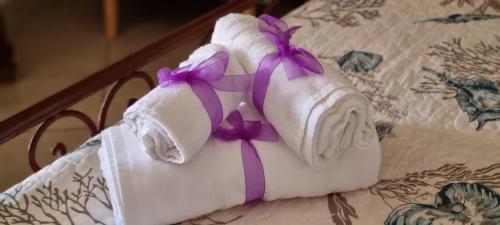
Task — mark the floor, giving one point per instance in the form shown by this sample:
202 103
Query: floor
58 42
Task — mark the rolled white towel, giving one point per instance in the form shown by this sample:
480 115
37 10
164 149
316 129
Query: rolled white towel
145 191
170 122
319 117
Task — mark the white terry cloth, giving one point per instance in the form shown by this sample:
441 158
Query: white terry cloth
318 117
146 191
171 123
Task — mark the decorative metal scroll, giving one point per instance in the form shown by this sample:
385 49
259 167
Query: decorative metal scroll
114 89
60 149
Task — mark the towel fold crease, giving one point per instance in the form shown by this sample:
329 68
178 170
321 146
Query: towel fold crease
319 117
147 191
171 122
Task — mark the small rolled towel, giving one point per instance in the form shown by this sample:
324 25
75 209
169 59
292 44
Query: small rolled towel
319 117
171 123
145 191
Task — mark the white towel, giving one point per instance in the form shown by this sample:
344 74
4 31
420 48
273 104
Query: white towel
145 191
171 123
318 117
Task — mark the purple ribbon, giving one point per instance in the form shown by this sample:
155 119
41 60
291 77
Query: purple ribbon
255 183
203 79
296 61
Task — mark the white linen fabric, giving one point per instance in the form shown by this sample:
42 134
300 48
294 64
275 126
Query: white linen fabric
318 117
171 123
214 179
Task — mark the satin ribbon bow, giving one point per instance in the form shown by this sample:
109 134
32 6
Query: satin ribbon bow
255 183
297 62
203 79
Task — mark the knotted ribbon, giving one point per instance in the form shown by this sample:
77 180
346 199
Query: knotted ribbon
255 183
203 79
296 61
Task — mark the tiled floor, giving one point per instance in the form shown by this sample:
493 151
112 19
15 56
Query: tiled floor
58 42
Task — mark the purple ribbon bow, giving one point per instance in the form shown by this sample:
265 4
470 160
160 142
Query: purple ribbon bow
255 183
203 79
296 61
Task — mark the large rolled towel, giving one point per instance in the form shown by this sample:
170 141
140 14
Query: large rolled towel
171 122
319 117
145 191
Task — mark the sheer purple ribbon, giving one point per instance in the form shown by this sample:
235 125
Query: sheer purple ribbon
255 183
296 61
203 79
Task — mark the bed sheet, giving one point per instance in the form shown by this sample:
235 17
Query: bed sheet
431 69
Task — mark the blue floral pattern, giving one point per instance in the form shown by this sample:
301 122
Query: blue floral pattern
456 203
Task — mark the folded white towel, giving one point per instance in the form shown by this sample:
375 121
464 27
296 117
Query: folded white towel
145 191
171 122
318 117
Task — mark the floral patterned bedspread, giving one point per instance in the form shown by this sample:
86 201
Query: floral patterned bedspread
431 69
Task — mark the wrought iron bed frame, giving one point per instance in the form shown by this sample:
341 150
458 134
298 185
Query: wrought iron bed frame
55 107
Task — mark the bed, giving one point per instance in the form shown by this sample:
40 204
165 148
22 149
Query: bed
431 70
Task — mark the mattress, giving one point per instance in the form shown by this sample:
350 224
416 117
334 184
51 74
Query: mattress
431 70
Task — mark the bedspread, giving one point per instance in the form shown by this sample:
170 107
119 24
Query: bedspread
431 69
